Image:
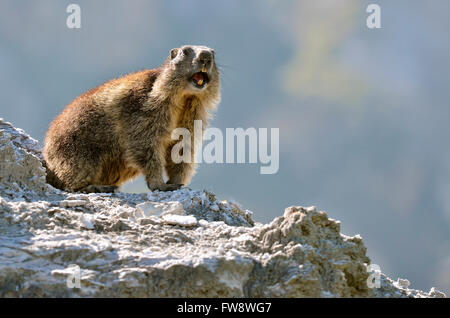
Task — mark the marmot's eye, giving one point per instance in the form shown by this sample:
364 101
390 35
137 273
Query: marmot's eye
186 52
173 53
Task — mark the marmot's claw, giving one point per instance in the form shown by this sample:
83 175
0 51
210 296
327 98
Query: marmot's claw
173 186
166 187
99 189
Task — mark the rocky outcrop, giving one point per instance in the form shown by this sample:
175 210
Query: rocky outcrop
184 243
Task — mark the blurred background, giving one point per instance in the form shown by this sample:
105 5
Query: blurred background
363 113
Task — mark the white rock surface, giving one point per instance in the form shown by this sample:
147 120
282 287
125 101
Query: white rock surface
147 209
184 243
181 220
71 203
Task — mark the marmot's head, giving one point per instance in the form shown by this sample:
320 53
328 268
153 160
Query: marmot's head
194 68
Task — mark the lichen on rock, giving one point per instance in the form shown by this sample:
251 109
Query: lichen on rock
184 243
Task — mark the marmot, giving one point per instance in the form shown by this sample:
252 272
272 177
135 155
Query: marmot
122 128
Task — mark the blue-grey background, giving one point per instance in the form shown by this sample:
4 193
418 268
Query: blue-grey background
363 114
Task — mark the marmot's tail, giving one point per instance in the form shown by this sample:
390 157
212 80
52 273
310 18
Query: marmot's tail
52 178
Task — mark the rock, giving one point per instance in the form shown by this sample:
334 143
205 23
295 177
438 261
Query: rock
403 282
87 221
180 220
20 163
71 203
154 208
183 243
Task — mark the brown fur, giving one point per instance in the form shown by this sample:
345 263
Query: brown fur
121 129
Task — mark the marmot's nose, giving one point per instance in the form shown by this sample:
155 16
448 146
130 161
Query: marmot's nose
205 57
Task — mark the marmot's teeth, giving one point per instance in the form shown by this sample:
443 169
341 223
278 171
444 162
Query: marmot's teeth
200 82
204 69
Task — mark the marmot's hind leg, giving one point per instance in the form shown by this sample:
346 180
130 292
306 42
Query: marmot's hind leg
99 189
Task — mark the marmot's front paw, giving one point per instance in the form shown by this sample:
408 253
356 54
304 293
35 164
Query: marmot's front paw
99 189
164 186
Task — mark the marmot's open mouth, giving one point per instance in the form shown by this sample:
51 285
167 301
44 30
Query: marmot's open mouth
200 79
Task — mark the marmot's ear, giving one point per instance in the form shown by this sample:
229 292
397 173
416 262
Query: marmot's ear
173 53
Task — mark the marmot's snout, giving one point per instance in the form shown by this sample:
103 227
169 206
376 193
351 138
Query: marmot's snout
202 65
205 58
197 62
203 61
